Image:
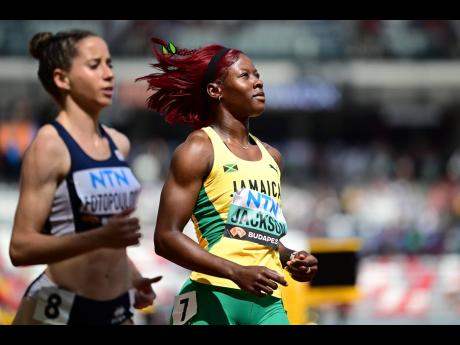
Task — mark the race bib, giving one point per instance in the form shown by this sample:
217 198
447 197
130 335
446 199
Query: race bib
255 217
184 308
53 306
105 191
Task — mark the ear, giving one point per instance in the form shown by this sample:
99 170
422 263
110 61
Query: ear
214 90
61 79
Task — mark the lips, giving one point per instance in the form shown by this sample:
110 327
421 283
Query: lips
108 91
260 96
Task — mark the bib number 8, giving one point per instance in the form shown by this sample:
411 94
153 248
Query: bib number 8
52 307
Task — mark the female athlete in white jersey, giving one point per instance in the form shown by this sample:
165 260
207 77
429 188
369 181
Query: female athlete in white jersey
77 194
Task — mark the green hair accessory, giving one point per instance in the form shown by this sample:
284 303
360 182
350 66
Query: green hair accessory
169 49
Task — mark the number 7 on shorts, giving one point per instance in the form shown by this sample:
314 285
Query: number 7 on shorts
184 308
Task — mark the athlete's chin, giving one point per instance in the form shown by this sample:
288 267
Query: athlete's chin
258 113
105 102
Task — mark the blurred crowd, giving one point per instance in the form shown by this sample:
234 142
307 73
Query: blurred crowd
397 201
307 39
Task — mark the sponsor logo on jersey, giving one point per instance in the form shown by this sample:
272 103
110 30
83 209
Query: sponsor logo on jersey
108 190
271 166
255 217
237 231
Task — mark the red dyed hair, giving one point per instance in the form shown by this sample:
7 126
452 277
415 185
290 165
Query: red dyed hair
178 89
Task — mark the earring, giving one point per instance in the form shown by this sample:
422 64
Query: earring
220 98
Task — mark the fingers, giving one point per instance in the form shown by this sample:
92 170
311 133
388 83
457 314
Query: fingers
143 300
304 276
300 256
276 277
260 280
124 213
145 283
130 224
271 284
266 282
121 230
125 236
302 259
263 290
133 240
155 279
291 268
123 222
301 263
301 268
301 277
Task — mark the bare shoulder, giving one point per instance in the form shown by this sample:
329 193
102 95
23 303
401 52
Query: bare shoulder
47 154
194 155
120 140
48 138
196 146
198 140
275 153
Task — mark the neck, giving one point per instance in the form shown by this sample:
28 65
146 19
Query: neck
234 131
80 121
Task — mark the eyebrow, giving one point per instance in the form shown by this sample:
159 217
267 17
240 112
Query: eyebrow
248 70
99 59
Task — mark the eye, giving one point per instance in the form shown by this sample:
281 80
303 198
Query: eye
93 64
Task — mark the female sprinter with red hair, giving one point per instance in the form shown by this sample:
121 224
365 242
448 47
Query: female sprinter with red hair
228 182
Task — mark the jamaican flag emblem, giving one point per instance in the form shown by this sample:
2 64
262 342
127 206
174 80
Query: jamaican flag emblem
228 168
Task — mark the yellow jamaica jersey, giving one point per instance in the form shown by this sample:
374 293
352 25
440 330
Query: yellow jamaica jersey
238 215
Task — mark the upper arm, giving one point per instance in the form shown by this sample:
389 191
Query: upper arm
45 163
275 154
120 140
190 164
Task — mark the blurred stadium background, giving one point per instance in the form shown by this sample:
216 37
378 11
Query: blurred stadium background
367 116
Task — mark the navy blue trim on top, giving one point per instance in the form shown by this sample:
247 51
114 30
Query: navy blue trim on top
80 160
109 138
31 284
72 146
47 227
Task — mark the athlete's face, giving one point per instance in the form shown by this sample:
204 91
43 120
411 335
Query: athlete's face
242 92
91 77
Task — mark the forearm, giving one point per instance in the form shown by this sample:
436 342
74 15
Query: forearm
285 254
185 252
37 249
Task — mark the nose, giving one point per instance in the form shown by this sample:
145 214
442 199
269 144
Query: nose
108 73
258 84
